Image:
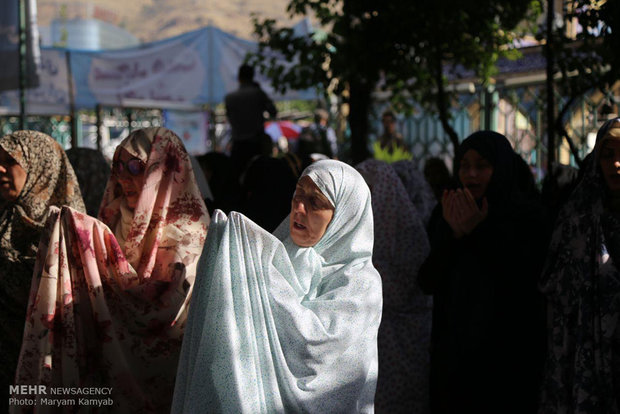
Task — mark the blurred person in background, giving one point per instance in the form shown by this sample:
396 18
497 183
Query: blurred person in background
390 147
245 109
419 190
438 176
317 138
93 172
400 247
218 171
268 186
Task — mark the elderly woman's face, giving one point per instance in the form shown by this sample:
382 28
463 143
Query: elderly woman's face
129 172
609 161
475 173
12 177
311 213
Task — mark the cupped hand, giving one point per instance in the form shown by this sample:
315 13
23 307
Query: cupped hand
461 211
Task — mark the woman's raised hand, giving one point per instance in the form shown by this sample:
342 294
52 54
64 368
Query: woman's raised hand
461 211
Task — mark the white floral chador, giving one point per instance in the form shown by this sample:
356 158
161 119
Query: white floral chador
278 328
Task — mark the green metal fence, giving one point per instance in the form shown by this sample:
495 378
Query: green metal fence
57 127
519 112
515 111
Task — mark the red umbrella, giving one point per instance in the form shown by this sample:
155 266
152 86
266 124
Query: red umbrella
286 129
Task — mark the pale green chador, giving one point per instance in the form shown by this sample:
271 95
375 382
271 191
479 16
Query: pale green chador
278 328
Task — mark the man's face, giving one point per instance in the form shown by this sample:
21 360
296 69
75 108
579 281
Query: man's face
389 124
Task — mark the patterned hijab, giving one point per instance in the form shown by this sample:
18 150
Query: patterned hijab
581 280
170 204
50 181
113 313
401 243
400 247
419 190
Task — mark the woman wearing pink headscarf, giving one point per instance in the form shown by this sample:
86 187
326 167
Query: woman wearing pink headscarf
109 297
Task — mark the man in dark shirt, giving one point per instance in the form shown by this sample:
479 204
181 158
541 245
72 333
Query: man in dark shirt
318 137
391 139
245 109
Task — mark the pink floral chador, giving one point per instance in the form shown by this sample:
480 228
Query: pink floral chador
109 298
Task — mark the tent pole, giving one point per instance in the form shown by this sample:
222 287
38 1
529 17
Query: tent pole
129 115
550 87
21 14
72 111
98 110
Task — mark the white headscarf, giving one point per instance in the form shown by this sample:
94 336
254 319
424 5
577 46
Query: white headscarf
274 327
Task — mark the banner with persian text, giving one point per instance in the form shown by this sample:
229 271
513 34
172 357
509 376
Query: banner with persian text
181 73
51 97
173 71
195 68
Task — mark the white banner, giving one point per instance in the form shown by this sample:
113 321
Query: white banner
182 73
192 127
170 71
51 97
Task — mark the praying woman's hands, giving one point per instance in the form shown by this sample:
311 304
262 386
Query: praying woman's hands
461 211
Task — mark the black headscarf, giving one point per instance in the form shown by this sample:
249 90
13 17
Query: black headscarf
93 172
511 180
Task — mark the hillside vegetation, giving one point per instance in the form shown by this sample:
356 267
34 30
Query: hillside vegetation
151 20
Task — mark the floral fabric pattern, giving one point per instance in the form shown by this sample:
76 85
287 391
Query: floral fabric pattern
109 297
582 284
277 328
401 246
419 190
50 181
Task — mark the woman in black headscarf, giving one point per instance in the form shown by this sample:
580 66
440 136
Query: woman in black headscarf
487 248
581 282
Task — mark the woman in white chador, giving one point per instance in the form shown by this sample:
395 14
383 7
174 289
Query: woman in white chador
287 323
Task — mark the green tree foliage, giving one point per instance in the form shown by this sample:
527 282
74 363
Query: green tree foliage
586 57
408 46
589 57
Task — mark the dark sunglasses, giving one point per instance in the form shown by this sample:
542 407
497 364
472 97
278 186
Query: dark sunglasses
134 166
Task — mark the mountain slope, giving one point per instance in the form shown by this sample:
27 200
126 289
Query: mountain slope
151 20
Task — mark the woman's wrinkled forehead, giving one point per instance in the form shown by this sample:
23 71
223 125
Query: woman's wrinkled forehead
324 175
23 146
336 180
